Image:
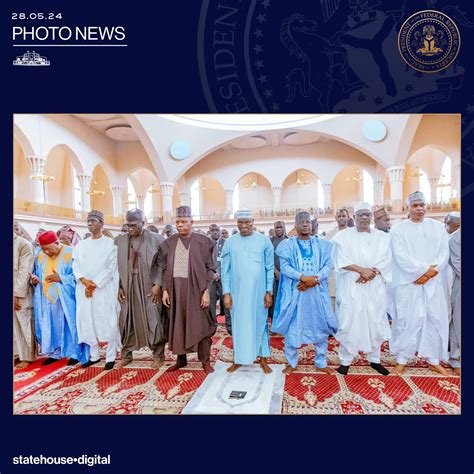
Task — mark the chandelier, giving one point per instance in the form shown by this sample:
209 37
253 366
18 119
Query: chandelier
417 173
41 176
153 190
355 178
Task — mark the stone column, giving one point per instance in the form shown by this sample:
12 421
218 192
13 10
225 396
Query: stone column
327 188
140 201
167 193
184 198
85 184
433 180
117 192
229 201
379 186
396 175
36 165
276 190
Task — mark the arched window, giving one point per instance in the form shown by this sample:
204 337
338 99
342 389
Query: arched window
321 203
148 205
236 199
425 187
196 199
132 196
77 191
367 187
443 190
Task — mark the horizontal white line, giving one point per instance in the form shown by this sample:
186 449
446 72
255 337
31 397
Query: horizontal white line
71 45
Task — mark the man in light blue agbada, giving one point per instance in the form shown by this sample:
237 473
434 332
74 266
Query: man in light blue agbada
303 309
55 302
247 270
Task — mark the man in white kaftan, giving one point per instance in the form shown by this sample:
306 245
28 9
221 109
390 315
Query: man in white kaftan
362 260
95 268
420 316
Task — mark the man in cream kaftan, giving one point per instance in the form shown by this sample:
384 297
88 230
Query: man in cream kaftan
362 260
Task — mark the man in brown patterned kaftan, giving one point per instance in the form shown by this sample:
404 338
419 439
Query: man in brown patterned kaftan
187 276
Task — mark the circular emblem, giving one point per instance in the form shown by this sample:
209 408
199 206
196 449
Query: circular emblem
429 41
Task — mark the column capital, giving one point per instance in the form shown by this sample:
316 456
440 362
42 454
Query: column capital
396 173
115 188
36 163
84 180
277 188
167 188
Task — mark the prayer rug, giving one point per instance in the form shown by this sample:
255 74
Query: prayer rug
246 391
138 389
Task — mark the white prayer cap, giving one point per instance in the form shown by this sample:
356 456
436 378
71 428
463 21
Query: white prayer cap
362 206
416 196
244 214
455 216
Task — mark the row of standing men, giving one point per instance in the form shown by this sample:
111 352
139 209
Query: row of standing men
166 287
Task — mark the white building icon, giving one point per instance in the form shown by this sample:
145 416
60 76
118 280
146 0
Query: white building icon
31 59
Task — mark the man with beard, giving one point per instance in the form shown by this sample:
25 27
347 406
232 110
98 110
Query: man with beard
382 220
362 260
187 275
303 310
141 322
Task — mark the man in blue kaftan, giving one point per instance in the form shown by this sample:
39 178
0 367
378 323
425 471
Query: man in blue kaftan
247 270
55 302
303 310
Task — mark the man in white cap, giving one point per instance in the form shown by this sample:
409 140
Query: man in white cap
247 263
420 311
452 222
362 260
97 312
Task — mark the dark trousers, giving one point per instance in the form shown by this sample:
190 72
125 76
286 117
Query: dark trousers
275 292
203 352
217 294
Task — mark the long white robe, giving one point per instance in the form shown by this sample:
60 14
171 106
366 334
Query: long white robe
420 312
455 325
97 317
361 308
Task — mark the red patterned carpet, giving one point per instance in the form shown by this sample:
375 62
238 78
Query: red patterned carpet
137 389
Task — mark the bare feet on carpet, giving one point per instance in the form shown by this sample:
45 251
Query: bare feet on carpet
122 363
264 365
157 363
399 369
233 368
288 370
440 370
22 365
326 370
208 369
